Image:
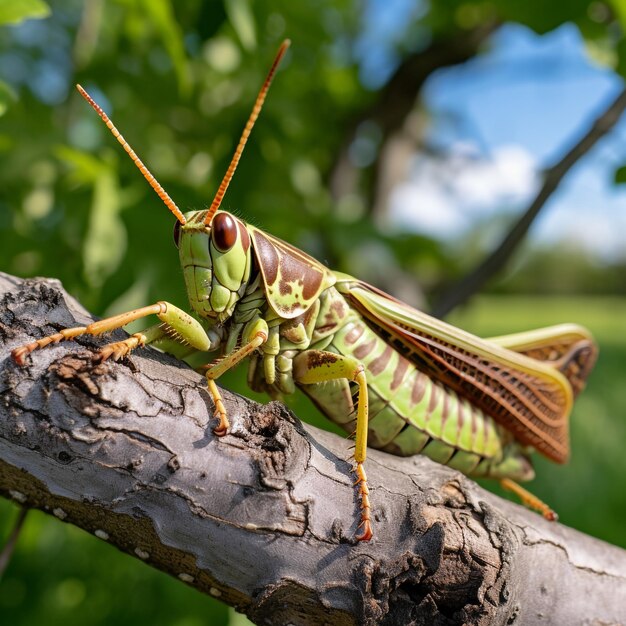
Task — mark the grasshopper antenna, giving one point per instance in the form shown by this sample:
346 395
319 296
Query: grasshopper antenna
152 181
260 99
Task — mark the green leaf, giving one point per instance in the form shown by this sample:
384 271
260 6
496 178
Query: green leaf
106 239
16 11
86 168
619 6
163 18
620 50
620 175
242 20
105 242
7 96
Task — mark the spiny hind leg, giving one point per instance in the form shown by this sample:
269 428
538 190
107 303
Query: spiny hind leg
528 499
189 330
316 366
256 333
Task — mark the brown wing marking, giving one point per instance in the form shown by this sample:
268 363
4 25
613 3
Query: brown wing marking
292 279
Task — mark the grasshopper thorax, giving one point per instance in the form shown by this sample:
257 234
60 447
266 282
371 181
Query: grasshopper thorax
216 262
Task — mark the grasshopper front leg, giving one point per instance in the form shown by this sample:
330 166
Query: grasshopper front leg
317 366
180 327
255 334
187 329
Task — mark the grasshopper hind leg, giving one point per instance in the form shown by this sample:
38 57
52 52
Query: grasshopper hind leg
317 366
528 499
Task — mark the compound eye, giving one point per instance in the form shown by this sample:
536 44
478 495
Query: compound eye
224 231
177 233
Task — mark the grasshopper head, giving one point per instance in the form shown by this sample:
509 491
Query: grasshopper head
216 261
214 246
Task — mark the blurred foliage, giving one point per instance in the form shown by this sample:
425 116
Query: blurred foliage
12 12
179 79
563 270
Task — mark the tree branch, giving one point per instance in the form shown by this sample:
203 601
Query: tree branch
264 518
496 261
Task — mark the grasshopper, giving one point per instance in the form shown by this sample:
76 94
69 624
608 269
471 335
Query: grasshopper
415 383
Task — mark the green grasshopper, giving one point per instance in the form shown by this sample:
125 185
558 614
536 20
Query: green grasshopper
417 384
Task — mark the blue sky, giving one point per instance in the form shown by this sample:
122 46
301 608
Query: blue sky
504 117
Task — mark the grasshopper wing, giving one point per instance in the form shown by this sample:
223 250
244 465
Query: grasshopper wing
568 348
529 397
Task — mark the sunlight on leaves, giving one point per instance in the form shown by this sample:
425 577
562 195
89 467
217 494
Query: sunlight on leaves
222 54
85 168
105 242
16 11
619 6
161 14
7 97
242 20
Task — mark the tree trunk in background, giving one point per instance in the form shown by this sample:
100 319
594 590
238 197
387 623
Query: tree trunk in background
395 102
265 517
497 260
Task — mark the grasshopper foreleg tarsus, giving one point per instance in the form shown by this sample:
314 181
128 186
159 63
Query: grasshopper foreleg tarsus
20 353
529 499
316 366
95 328
220 411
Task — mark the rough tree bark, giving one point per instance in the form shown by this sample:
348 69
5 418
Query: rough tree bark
264 518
